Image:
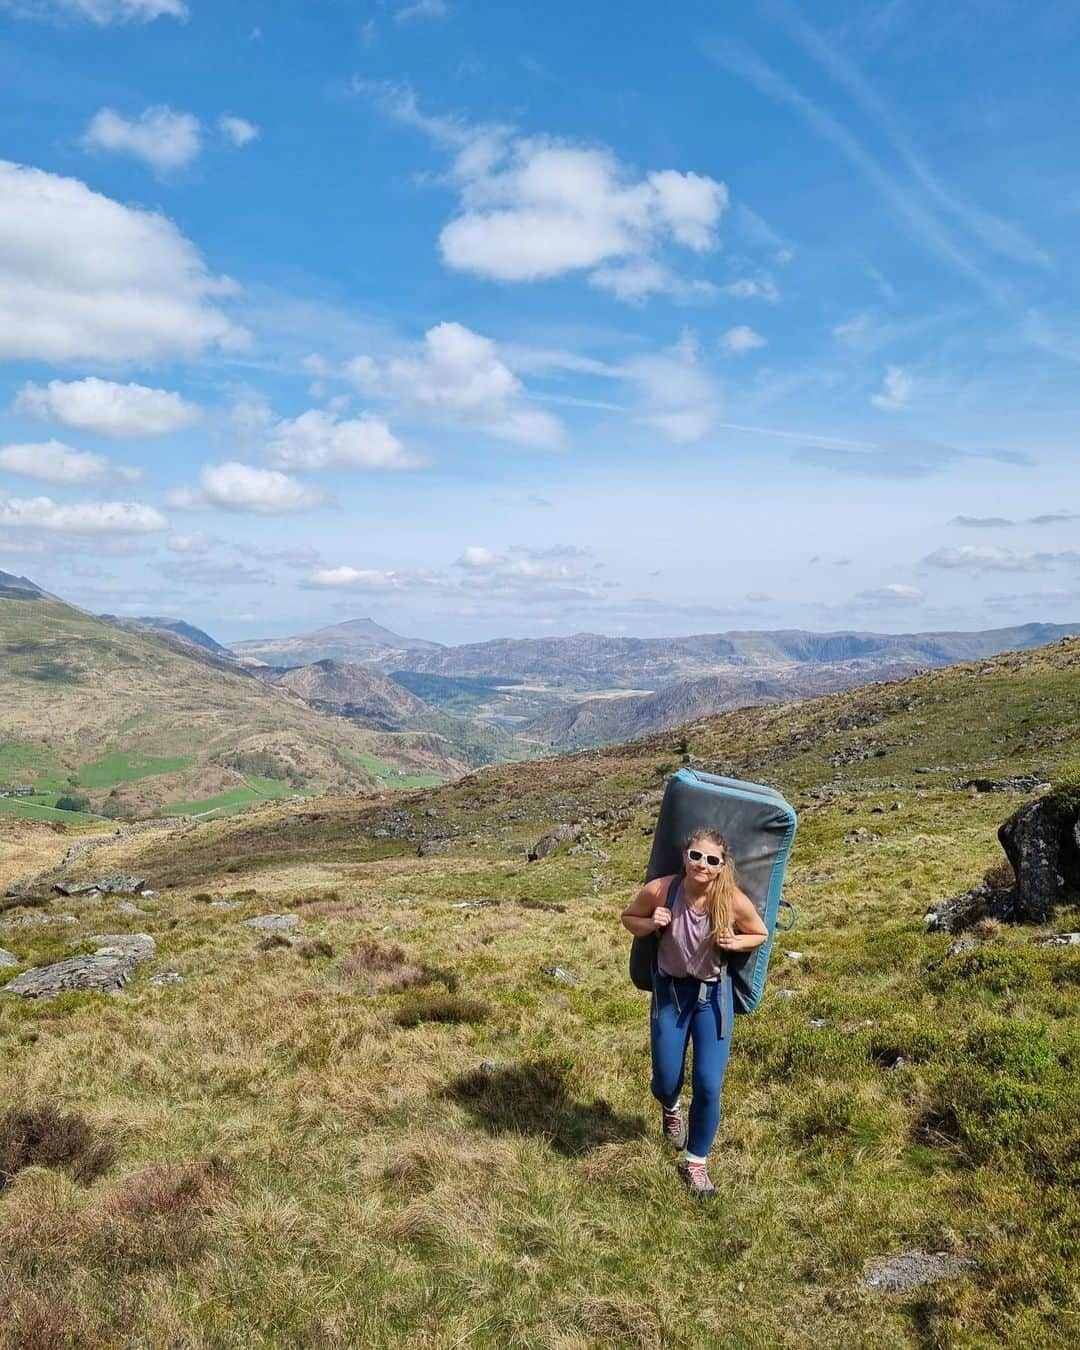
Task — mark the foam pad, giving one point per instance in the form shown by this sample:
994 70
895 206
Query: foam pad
759 826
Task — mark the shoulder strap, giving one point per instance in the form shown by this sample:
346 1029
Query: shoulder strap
672 894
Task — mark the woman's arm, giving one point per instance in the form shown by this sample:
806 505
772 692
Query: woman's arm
748 929
648 910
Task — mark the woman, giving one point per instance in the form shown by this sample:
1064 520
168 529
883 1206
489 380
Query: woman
701 916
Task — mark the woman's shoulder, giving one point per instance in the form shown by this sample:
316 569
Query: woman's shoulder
659 886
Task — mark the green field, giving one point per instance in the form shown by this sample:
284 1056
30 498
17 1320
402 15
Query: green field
236 799
389 777
117 767
32 765
35 810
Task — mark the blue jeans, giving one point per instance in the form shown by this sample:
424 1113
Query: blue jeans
677 1018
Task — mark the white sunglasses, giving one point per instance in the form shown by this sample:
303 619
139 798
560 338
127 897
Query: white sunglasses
696 855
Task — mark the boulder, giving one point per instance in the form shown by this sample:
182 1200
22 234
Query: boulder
105 971
561 834
8 959
273 923
1039 843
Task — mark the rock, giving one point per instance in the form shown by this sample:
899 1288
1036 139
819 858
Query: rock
878 809
561 834
166 977
794 956
817 1022
118 883
961 945
910 1270
223 904
8 959
897 1064
961 911
273 923
1022 782
136 946
148 895
898 806
431 847
474 904
1059 940
787 993
33 919
563 976
431 812
126 907
105 971
1038 845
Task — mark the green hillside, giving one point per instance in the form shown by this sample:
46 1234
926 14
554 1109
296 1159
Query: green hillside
401 1131
135 723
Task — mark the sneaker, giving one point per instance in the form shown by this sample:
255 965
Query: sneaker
674 1126
697 1178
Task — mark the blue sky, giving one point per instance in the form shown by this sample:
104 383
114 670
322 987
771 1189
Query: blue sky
503 320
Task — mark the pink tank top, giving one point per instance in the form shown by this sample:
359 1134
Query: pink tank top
686 949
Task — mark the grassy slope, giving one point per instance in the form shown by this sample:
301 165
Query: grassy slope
383 1194
117 707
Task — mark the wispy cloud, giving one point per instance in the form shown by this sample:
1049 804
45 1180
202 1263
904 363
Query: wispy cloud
902 459
919 219
997 235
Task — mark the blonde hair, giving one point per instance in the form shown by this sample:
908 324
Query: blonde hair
720 892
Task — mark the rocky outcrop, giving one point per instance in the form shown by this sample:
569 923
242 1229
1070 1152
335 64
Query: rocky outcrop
1042 843
561 834
105 971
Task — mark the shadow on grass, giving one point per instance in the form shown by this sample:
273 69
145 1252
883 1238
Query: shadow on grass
534 1099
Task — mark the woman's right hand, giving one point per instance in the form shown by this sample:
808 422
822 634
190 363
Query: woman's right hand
661 916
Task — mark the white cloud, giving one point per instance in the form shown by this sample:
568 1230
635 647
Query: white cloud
353 578
241 488
238 130
107 408
532 208
318 440
42 513
529 575
53 462
475 556
162 138
82 276
747 288
100 12
741 339
986 558
896 390
458 376
676 395
422 9
198 542
895 593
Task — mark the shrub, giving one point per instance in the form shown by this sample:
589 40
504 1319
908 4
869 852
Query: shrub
987 1112
1065 793
987 968
310 950
72 802
908 1038
440 1008
42 1136
1020 1050
388 970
